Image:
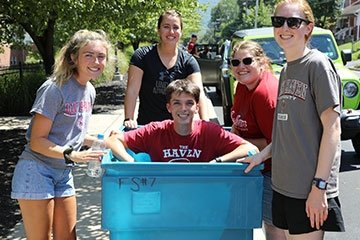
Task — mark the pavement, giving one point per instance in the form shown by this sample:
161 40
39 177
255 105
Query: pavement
88 189
353 65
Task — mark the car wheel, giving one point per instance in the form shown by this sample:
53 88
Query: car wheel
356 144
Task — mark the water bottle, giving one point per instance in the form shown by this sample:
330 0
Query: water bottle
94 167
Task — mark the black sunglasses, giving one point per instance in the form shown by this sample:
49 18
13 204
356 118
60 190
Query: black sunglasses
292 22
236 62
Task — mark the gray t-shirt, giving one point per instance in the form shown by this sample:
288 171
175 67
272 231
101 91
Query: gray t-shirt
69 108
307 87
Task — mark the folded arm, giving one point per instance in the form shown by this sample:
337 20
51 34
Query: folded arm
116 142
40 143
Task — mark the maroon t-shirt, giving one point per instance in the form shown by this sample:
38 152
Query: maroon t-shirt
253 110
163 144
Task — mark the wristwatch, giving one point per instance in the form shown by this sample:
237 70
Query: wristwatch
320 183
67 153
218 160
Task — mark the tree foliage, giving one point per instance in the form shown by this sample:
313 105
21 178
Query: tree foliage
226 16
326 12
262 17
234 15
50 23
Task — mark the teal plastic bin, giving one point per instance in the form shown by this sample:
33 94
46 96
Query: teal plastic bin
180 201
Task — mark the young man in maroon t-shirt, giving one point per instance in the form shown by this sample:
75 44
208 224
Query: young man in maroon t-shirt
183 138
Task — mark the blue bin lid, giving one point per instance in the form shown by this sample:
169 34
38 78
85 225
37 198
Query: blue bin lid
110 163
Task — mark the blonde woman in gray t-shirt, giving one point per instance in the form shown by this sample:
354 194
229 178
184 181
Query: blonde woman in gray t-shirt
305 146
43 182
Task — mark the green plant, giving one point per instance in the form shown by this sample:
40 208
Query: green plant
123 58
123 61
109 70
33 57
107 75
356 46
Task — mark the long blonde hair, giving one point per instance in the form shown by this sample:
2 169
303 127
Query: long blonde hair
64 66
256 50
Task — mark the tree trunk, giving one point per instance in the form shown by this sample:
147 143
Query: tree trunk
45 43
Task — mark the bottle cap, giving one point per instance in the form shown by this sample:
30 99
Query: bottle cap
251 153
100 136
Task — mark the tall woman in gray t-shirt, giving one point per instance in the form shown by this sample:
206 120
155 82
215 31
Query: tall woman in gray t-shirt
43 181
305 147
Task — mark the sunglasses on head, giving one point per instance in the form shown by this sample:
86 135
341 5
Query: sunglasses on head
292 22
236 62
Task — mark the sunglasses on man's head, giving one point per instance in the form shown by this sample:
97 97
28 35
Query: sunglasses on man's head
236 62
292 22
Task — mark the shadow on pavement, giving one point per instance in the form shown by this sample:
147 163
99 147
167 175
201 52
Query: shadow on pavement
12 144
349 162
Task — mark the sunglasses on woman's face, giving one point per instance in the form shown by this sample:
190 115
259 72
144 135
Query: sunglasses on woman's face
292 22
236 62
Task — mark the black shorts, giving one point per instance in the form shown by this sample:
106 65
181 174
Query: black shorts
289 213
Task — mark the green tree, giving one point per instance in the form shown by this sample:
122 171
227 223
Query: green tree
239 14
262 17
138 25
225 18
50 23
326 12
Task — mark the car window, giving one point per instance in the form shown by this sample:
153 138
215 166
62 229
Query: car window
325 44
272 50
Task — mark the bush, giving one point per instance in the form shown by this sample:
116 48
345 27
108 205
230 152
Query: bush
109 70
107 75
123 61
17 95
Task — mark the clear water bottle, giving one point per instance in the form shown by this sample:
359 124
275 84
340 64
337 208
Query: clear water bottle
94 167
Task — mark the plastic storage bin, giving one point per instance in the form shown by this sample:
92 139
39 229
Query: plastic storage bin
180 201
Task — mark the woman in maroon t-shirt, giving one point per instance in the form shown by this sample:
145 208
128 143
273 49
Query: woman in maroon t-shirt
253 111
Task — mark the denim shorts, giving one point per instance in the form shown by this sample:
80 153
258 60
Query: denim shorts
35 180
267 198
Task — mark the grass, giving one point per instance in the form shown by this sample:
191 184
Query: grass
355 49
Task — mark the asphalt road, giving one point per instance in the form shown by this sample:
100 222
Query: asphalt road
349 187
349 183
349 193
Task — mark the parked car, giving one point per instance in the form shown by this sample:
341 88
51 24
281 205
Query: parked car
324 41
210 62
